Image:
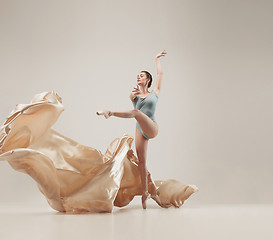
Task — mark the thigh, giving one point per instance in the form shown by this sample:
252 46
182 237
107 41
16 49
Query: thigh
148 126
141 144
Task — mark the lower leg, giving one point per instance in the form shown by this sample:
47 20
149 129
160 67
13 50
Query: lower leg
143 175
124 114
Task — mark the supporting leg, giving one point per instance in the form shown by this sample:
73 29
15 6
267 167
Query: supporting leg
141 150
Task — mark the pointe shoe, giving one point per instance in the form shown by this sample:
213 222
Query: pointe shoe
106 113
145 197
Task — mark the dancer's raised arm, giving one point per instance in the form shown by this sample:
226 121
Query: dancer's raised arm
159 72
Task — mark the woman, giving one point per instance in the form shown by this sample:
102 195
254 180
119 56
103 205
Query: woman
146 127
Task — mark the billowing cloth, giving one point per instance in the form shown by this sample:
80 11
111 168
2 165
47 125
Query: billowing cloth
75 178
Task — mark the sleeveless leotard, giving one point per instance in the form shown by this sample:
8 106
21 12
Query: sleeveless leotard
146 105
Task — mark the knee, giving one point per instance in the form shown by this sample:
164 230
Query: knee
154 135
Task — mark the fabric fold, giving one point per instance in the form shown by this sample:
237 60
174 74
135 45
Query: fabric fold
73 177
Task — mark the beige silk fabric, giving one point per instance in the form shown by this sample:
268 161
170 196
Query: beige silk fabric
75 178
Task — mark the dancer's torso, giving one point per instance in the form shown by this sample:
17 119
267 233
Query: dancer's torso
147 105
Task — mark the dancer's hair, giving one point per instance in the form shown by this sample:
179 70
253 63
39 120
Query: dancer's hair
149 76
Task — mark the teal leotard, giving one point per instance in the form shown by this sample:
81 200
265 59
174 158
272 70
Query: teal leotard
146 105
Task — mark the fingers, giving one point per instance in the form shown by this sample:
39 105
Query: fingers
136 91
136 88
162 54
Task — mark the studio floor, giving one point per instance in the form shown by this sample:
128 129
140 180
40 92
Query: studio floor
191 221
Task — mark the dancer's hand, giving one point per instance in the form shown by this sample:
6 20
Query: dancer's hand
136 91
163 53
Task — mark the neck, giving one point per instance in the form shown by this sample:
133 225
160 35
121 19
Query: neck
144 90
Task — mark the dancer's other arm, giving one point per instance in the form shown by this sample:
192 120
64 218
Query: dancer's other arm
134 93
159 72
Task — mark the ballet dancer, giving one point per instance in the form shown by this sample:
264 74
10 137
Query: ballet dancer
144 103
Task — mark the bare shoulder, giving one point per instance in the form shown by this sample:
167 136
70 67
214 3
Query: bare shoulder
156 91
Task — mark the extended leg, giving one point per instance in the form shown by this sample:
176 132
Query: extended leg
148 126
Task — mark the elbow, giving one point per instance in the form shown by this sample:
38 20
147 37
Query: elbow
158 87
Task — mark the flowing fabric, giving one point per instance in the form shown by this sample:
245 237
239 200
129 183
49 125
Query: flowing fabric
75 178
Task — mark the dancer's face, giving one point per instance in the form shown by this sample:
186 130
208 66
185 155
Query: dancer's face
142 79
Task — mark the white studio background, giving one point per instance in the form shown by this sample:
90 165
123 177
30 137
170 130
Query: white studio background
215 107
